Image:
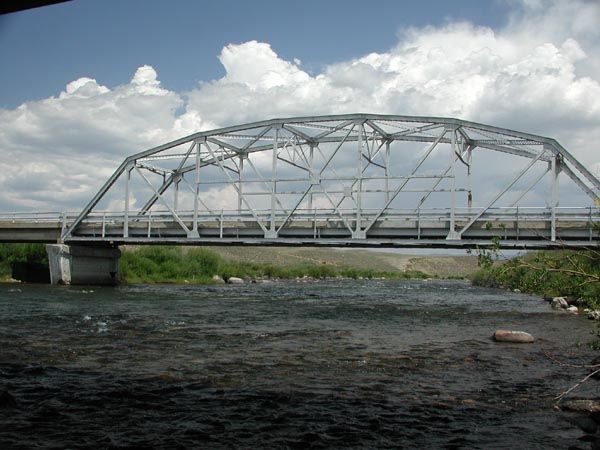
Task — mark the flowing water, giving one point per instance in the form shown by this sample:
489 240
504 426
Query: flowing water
337 364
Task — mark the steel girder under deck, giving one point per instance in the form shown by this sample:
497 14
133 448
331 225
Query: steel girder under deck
355 179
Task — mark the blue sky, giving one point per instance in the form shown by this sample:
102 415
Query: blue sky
45 48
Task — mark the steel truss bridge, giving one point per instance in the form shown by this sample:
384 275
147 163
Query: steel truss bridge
344 180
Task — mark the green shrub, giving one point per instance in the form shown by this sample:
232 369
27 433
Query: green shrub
202 262
550 274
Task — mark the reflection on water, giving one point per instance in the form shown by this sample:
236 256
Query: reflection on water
372 364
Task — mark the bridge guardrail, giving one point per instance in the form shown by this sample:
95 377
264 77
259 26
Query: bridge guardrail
519 218
590 214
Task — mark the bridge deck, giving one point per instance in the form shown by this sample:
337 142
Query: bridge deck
509 228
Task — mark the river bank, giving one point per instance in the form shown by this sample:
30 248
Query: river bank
200 265
574 275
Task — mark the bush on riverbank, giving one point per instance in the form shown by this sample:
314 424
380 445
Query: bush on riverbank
26 253
550 274
158 264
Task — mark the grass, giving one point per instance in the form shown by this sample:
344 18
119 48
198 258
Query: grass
160 264
168 264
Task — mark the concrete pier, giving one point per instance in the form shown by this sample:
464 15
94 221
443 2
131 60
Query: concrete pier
76 264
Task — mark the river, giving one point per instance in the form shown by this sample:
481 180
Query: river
336 364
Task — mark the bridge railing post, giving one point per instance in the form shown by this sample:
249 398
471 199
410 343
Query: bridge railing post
149 223
221 225
591 225
64 223
517 224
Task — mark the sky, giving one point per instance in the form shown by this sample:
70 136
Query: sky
181 40
86 83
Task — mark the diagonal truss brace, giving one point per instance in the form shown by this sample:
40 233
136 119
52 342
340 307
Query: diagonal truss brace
160 197
233 183
497 197
405 182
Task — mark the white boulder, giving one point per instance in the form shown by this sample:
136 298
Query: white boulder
235 280
559 303
217 279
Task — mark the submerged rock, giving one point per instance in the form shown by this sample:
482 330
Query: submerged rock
520 337
7 400
235 280
586 424
559 303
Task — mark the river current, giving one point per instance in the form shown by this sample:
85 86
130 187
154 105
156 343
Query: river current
336 364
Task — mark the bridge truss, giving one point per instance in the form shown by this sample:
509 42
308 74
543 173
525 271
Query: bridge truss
357 179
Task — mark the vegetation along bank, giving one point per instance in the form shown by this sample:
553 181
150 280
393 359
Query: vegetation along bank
198 265
559 273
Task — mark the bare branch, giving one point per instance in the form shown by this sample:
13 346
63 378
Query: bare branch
560 363
590 276
575 386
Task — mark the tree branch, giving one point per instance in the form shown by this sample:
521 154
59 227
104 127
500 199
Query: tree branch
589 276
575 386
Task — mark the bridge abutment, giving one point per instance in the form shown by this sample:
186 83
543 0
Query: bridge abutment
78 264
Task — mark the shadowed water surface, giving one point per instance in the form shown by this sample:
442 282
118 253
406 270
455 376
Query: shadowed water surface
366 364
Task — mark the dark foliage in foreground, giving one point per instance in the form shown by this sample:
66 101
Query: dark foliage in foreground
26 253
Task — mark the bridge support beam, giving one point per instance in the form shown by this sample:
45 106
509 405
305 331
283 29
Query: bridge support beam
77 264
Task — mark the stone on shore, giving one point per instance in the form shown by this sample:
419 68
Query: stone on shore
520 337
583 405
594 315
217 279
235 280
559 303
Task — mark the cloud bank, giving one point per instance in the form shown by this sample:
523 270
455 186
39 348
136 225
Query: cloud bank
538 74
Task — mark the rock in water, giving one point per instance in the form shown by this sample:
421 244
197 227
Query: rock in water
559 303
586 424
235 280
520 337
573 309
